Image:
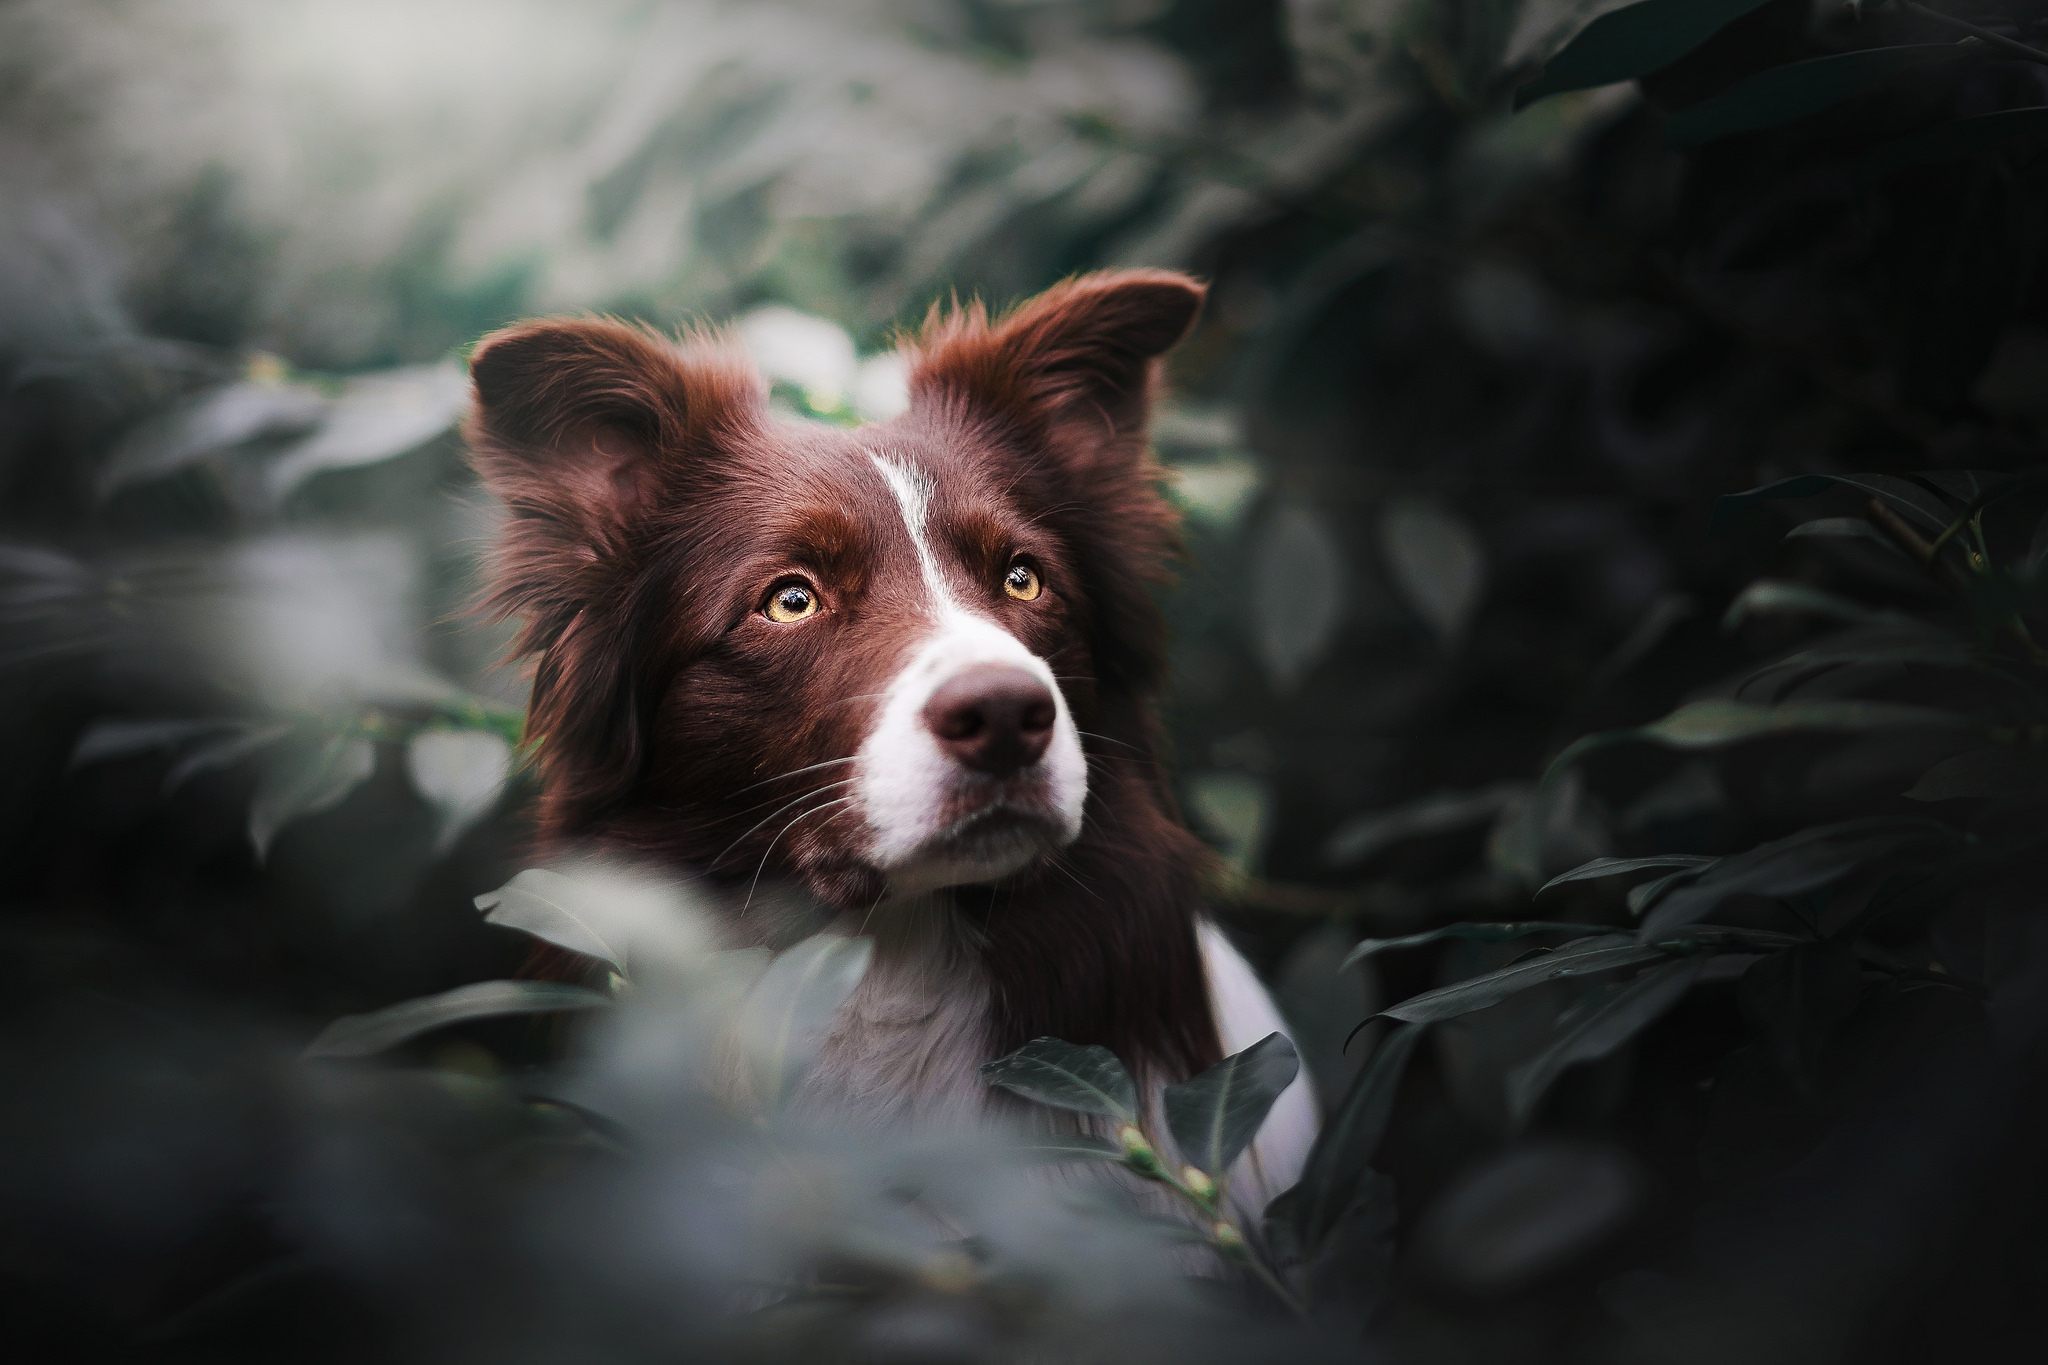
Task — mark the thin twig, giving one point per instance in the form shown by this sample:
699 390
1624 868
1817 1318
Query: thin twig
2012 47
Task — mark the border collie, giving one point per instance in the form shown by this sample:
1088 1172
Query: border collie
909 667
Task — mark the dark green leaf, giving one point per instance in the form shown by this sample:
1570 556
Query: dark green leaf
121 738
365 1035
1216 1114
1766 596
1997 770
1641 897
789 1011
1437 561
1048 1149
1088 1080
295 784
224 751
1632 42
1340 1163
1950 142
1360 837
1800 862
1903 495
1848 528
1583 957
1798 998
1711 724
1781 94
1501 932
1620 1016
1614 867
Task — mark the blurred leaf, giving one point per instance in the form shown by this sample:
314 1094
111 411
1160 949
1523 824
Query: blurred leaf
1581 957
295 784
1766 596
1710 724
553 907
1437 561
1927 649
1056 1148
216 421
1693 789
1781 94
224 752
1950 142
790 1010
1632 42
1360 837
1214 1116
376 417
636 924
1798 998
1087 1080
105 739
1322 995
1298 583
460 773
365 1035
1528 1213
1844 528
1339 1166
1805 861
1555 824
1483 933
1904 496
1620 1015
1614 867
1996 770
1233 808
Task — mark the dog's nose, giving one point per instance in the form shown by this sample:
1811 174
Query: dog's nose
993 718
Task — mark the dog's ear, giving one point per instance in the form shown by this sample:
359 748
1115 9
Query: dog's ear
1078 360
583 428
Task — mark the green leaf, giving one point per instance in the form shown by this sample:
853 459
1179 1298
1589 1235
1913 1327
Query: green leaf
1362 836
1997 770
223 751
1799 89
1800 862
1648 893
107 739
1501 932
1950 142
460 773
1339 1166
1627 1011
1437 561
788 1013
1088 1080
295 785
1047 1149
1798 998
1615 867
1903 496
1582 957
1844 528
365 1035
1214 1116
1632 42
1766 596
1711 724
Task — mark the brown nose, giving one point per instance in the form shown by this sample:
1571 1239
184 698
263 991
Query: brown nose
993 718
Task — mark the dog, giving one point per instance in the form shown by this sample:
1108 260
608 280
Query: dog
909 667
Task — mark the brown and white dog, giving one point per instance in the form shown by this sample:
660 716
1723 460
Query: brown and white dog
908 666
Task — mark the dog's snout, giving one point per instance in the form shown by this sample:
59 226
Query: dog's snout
993 718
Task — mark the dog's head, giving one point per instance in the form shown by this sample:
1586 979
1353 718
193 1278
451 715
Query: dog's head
878 660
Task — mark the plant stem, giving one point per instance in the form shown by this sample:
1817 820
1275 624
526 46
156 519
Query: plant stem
2012 47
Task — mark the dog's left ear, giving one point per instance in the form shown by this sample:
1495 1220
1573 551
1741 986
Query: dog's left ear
1078 360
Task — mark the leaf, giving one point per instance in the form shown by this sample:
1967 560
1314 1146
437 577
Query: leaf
1615 867
105 739
1527 1213
1632 42
1904 496
1214 1116
1235 809
1437 562
1298 583
1087 1080
215 421
1582 957
1625 1013
1642 896
1847 528
295 785
1501 932
376 417
1800 862
1765 596
224 752
1711 724
460 773
1950 142
1997 770
789 1011
1781 94
365 1035
1054 1148
1556 824
1360 837
1321 997
1339 1165
1797 999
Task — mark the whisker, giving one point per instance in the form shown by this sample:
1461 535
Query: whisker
794 821
815 791
796 772
1090 734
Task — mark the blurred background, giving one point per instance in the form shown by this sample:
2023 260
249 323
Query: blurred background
1448 441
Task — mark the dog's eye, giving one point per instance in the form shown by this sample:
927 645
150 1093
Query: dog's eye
790 602
1021 582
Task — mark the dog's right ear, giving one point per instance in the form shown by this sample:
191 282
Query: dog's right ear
584 428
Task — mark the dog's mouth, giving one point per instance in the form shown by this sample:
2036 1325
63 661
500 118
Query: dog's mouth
997 836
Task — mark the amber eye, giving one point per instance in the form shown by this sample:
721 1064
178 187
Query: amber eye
1021 582
790 602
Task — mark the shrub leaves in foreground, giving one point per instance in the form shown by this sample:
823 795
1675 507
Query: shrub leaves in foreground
365 1035
1214 1116
1087 1080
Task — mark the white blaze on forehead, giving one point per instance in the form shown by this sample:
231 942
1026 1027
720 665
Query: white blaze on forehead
906 784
